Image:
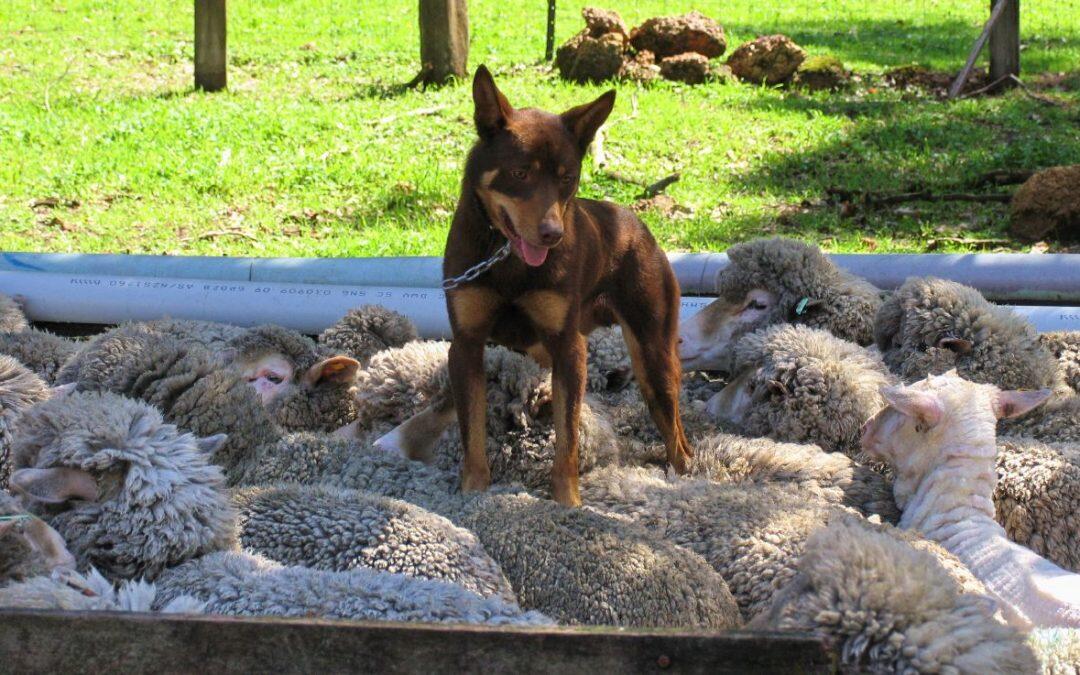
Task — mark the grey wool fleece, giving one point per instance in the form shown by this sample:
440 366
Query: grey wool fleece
792 270
19 389
575 566
240 584
165 502
366 331
334 529
161 512
808 386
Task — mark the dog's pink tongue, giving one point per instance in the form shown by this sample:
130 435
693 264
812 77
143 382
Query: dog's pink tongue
534 256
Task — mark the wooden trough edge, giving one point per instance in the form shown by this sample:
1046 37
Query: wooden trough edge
121 642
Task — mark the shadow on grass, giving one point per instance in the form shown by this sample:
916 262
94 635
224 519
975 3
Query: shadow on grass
896 146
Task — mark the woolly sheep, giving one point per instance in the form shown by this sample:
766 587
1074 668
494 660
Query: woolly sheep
19 389
333 529
939 437
247 585
885 606
40 351
832 476
826 400
1035 497
142 501
12 318
28 546
929 326
1065 346
802 385
366 331
752 534
575 566
303 387
93 592
142 495
770 281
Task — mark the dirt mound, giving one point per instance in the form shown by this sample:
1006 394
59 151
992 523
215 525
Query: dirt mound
673 35
1048 204
771 59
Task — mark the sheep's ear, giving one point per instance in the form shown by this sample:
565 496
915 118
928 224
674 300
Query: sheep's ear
956 345
210 444
1015 403
56 485
619 379
49 544
491 109
779 388
924 406
585 120
63 389
337 369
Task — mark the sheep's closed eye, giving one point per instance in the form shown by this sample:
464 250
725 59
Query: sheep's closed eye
756 305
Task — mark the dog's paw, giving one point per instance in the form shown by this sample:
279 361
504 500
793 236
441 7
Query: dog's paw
392 443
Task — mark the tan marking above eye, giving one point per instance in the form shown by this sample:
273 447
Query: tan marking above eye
488 177
536 164
562 170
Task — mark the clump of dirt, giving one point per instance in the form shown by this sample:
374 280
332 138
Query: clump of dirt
1048 205
605 49
822 73
771 59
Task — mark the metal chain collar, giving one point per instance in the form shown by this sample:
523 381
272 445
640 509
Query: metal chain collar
476 270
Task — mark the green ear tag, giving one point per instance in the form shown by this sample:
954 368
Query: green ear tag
801 307
21 516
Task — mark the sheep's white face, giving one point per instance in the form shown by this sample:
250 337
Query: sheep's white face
706 339
937 418
269 376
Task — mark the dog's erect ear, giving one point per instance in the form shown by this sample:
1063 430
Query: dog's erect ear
491 107
584 120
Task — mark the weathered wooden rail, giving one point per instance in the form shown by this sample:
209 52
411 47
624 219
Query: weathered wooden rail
106 642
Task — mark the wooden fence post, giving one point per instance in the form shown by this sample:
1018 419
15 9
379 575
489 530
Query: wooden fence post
210 45
549 47
444 40
1005 43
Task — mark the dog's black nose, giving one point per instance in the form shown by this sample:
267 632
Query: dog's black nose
550 233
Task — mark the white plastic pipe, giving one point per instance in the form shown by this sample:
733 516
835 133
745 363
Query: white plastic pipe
309 308
1003 277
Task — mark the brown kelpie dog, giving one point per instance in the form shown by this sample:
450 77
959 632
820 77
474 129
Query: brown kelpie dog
561 266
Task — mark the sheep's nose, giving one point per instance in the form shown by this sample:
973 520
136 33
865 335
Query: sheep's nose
551 232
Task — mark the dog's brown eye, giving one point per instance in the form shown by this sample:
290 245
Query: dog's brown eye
520 174
567 180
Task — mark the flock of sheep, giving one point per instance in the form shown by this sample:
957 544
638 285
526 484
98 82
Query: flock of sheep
183 466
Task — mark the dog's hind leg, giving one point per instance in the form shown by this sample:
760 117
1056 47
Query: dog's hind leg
651 334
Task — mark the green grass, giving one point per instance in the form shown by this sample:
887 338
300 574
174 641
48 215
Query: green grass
315 151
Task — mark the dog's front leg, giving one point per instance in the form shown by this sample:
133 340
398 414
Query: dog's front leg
568 384
472 314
